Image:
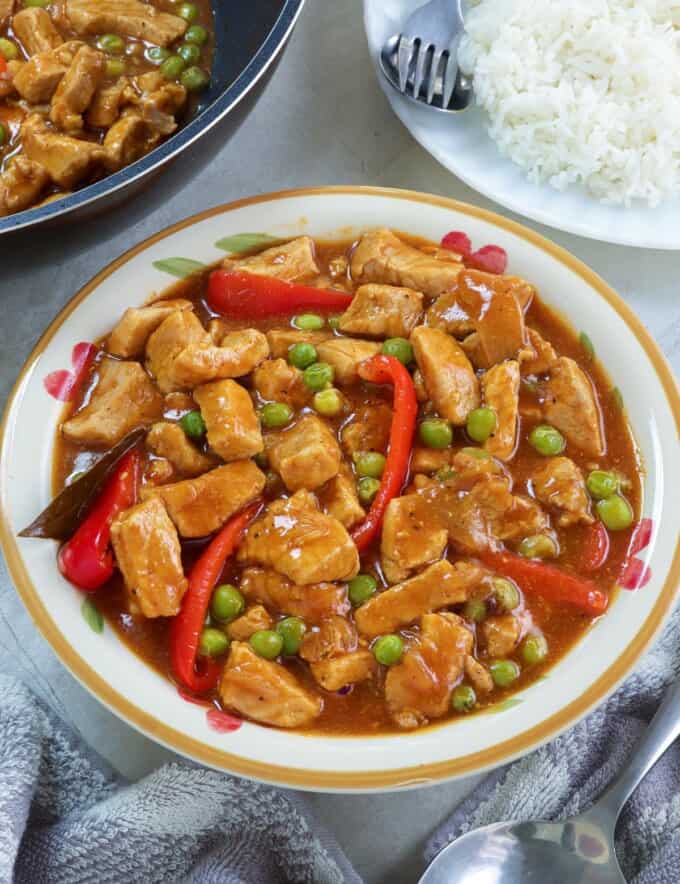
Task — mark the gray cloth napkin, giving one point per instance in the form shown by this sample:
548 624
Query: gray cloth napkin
567 776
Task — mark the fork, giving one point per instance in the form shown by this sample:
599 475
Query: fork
426 53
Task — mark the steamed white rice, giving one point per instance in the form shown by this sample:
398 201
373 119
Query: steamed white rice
582 91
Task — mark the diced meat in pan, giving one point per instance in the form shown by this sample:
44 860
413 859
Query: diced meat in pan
255 618
338 497
35 30
66 160
478 675
429 460
500 392
369 429
169 440
282 339
264 691
409 538
200 506
106 104
419 688
21 183
438 586
292 261
382 311
148 554
277 381
312 602
76 89
6 9
299 541
127 140
338 672
129 18
559 484
331 638
540 358
449 378
382 257
123 399
501 634
128 338
179 331
571 405
306 455
229 415
37 80
345 354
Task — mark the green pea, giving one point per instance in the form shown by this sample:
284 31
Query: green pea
275 414
474 610
4 135
8 49
538 546
266 643
111 43
388 649
308 322
193 425
291 631
172 67
435 433
534 649
328 402
156 54
115 67
188 11
504 672
506 593
194 79
480 424
547 440
43 4
400 348
361 588
190 52
213 642
334 322
302 355
367 488
477 453
196 34
227 603
463 699
602 484
615 512
318 376
369 463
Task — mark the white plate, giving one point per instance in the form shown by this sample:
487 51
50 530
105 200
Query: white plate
139 695
461 144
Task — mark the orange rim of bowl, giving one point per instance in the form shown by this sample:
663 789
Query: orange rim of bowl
362 780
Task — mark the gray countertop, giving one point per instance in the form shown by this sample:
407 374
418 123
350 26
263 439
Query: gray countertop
322 119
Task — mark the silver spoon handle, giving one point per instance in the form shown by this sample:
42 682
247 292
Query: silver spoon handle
663 730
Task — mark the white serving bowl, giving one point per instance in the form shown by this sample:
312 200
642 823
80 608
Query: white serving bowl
135 692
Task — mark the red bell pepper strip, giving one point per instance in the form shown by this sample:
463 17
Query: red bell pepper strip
86 559
185 631
536 578
595 547
241 295
388 370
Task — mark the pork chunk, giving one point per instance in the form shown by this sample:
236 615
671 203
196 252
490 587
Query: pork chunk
493 303
202 505
148 554
6 9
130 335
292 261
559 484
306 455
106 104
127 139
338 672
409 538
265 691
478 675
382 311
332 638
282 339
382 257
277 381
369 429
76 89
21 183
35 30
419 688
124 398
294 538
449 378
238 354
429 460
313 603
438 586
338 497
129 18
178 332
255 618
500 392
345 354
66 160
571 405
501 634
169 441
540 357
37 80
229 415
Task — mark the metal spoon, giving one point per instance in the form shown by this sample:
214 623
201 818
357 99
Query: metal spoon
579 850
